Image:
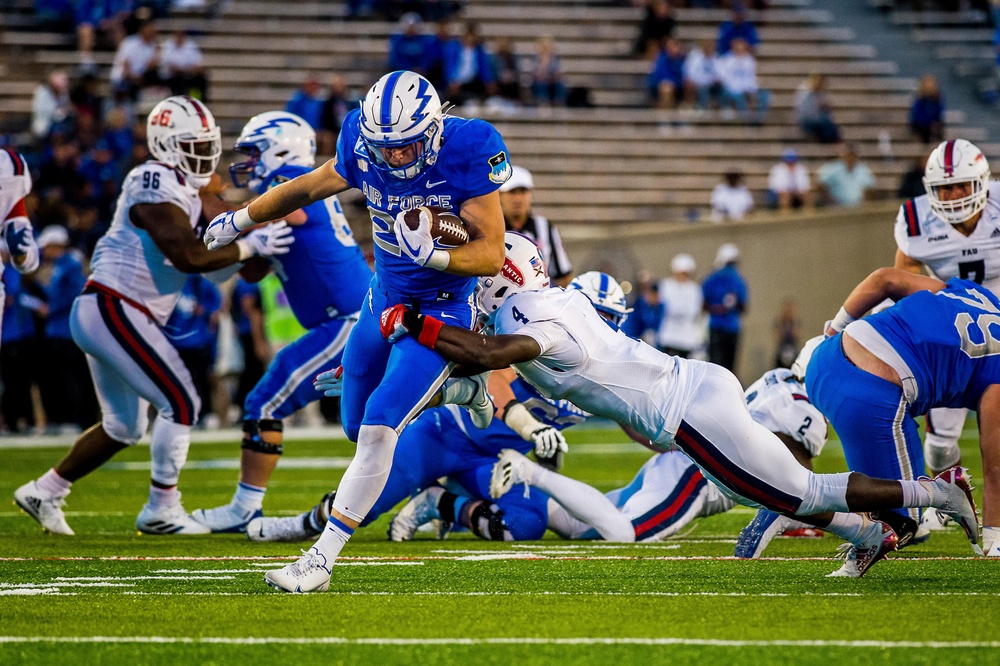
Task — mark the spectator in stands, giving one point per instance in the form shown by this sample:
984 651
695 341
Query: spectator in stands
738 76
731 200
812 110
515 201
911 185
647 310
136 61
507 67
442 48
359 9
737 28
337 104
927 111
786 333
51 108
182 66
470 69
108 16
788 184
193 329
682 330
658 24
67 392
59 178
701 74
845 181
725 294
410 48
307 102
547 85
666 78
19 346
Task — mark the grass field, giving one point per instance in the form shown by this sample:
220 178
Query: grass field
108 595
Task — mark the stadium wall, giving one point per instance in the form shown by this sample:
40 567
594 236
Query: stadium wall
815 259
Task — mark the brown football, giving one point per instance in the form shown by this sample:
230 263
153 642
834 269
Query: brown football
447 228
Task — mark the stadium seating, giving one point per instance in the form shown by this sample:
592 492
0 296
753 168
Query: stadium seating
617 162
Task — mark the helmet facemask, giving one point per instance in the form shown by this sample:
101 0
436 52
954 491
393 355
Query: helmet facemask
426 150
251 171
957 211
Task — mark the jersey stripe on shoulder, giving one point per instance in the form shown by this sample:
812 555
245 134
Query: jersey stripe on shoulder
16 161
910 215
177 172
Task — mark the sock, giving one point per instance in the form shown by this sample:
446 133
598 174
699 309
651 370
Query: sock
457 391
918 494
248 498
583 503
161 498
852 527
53 484
991 538
333 540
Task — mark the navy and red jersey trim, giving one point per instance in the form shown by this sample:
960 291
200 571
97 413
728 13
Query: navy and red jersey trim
17 211
910 216
177 172
16 161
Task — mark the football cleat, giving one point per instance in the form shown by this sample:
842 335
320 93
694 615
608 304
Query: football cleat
481 407
935 521
292 528
169 520
309 573
803 533
510 469
228 518
419 510
960 506
858 559
755 537
44 508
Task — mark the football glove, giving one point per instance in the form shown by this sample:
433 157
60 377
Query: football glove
21 244
548 441
418 244
331 382
225 227
399 320
267 241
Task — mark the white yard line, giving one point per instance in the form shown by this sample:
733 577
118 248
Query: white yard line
337 640
461 555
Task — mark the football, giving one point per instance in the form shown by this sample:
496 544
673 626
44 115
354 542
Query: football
447 228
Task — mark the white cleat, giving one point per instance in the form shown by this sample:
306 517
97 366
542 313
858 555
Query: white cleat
291 528
481 407
44 508
170 520
858 559
509 470
228 518
420 510
960 506
309 573
935 521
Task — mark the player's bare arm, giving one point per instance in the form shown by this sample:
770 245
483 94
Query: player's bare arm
884 283
907 263
288 197
483 254
170 229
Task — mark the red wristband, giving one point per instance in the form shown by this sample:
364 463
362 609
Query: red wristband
430 331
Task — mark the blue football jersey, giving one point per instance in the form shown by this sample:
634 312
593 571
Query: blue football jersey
324 273
950 340
473 161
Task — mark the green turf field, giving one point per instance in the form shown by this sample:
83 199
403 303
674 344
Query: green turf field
108 595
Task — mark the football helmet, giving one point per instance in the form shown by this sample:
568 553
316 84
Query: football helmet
523 270
269 141
400 110
953 163
181 132
605 293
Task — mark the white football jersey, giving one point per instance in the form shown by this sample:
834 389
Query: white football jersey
922 235
15 182
598 368
778 401
126 259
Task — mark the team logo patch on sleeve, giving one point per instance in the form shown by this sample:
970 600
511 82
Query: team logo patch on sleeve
499 168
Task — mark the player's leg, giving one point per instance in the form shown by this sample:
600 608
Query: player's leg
989 445
944 427
668 493
285 388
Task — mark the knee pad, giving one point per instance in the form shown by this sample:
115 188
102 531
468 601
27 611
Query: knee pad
941 451
252 440
825 492
487 522
126 433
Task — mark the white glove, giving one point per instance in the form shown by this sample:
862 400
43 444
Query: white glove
267 241
224 229
548 441
331 382
418 245
21 244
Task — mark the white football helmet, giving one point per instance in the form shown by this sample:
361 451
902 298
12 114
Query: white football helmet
523 270
401 109
182 133
270 140
605 293
802 360
952 163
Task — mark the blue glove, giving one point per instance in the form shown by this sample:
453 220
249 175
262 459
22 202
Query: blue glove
331 382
